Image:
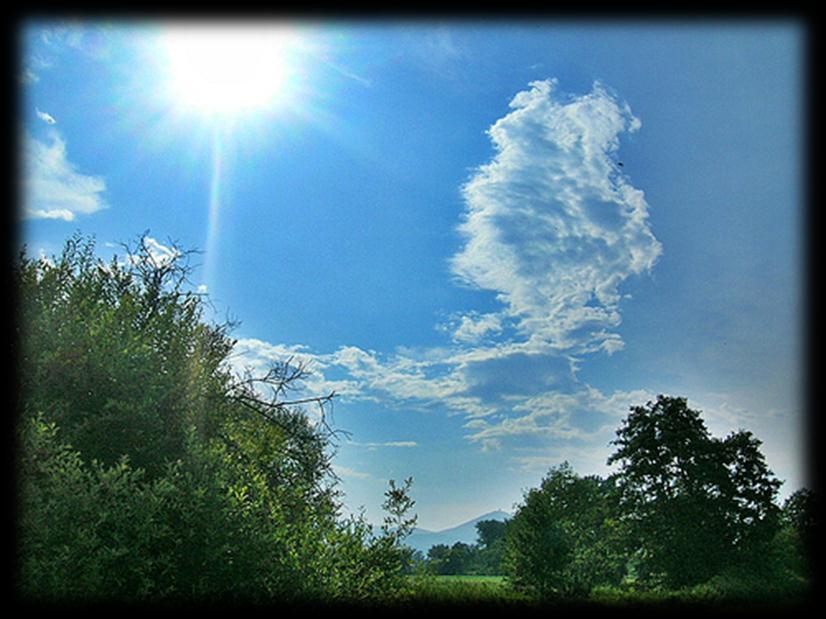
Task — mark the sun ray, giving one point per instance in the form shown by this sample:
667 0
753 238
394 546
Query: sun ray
214 206
222 74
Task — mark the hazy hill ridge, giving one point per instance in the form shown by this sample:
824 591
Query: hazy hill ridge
422 539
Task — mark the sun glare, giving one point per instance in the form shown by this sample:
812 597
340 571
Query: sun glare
227 69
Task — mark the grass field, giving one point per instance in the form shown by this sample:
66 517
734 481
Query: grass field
465 590
494 591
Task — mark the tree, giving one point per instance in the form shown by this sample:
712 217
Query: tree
397 526
538 549
695 504
750 493
149 469
566 537
438 557
398 523
491 546
799 521
118 354
490 531
460 558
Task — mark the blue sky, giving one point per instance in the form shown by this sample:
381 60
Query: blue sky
490 238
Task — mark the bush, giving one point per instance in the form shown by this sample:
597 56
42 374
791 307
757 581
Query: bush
148 470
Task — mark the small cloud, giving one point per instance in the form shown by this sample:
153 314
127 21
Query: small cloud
45 117
347 472
472 328
92 40
161 254
61 213
373 446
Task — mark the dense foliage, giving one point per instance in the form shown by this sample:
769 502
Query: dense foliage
149 470
566 537
684 510
482 558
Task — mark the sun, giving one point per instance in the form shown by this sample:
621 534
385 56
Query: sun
227 69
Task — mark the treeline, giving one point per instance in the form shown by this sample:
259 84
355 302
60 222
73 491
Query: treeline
484 558
685 512
148 470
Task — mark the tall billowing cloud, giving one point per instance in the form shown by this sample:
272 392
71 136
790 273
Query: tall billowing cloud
552 226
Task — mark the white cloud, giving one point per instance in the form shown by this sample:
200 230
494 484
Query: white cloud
45 117
400 377
472 328
349 473
551 226
52 188
60 213
391 444
160 254
258 356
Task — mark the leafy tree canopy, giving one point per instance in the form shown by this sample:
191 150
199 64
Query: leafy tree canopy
149 468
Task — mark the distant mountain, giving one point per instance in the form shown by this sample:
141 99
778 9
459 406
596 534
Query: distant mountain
422 539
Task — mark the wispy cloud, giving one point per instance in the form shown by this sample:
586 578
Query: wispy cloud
52 187
385 444
349 473
52 42
346 72
439 52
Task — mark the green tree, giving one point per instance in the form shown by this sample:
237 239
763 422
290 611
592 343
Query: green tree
398 525
538 548
800 526
800 512
695 504
438 559
565 537
490 531
491 546
118 354
750 493
149 469
460 558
